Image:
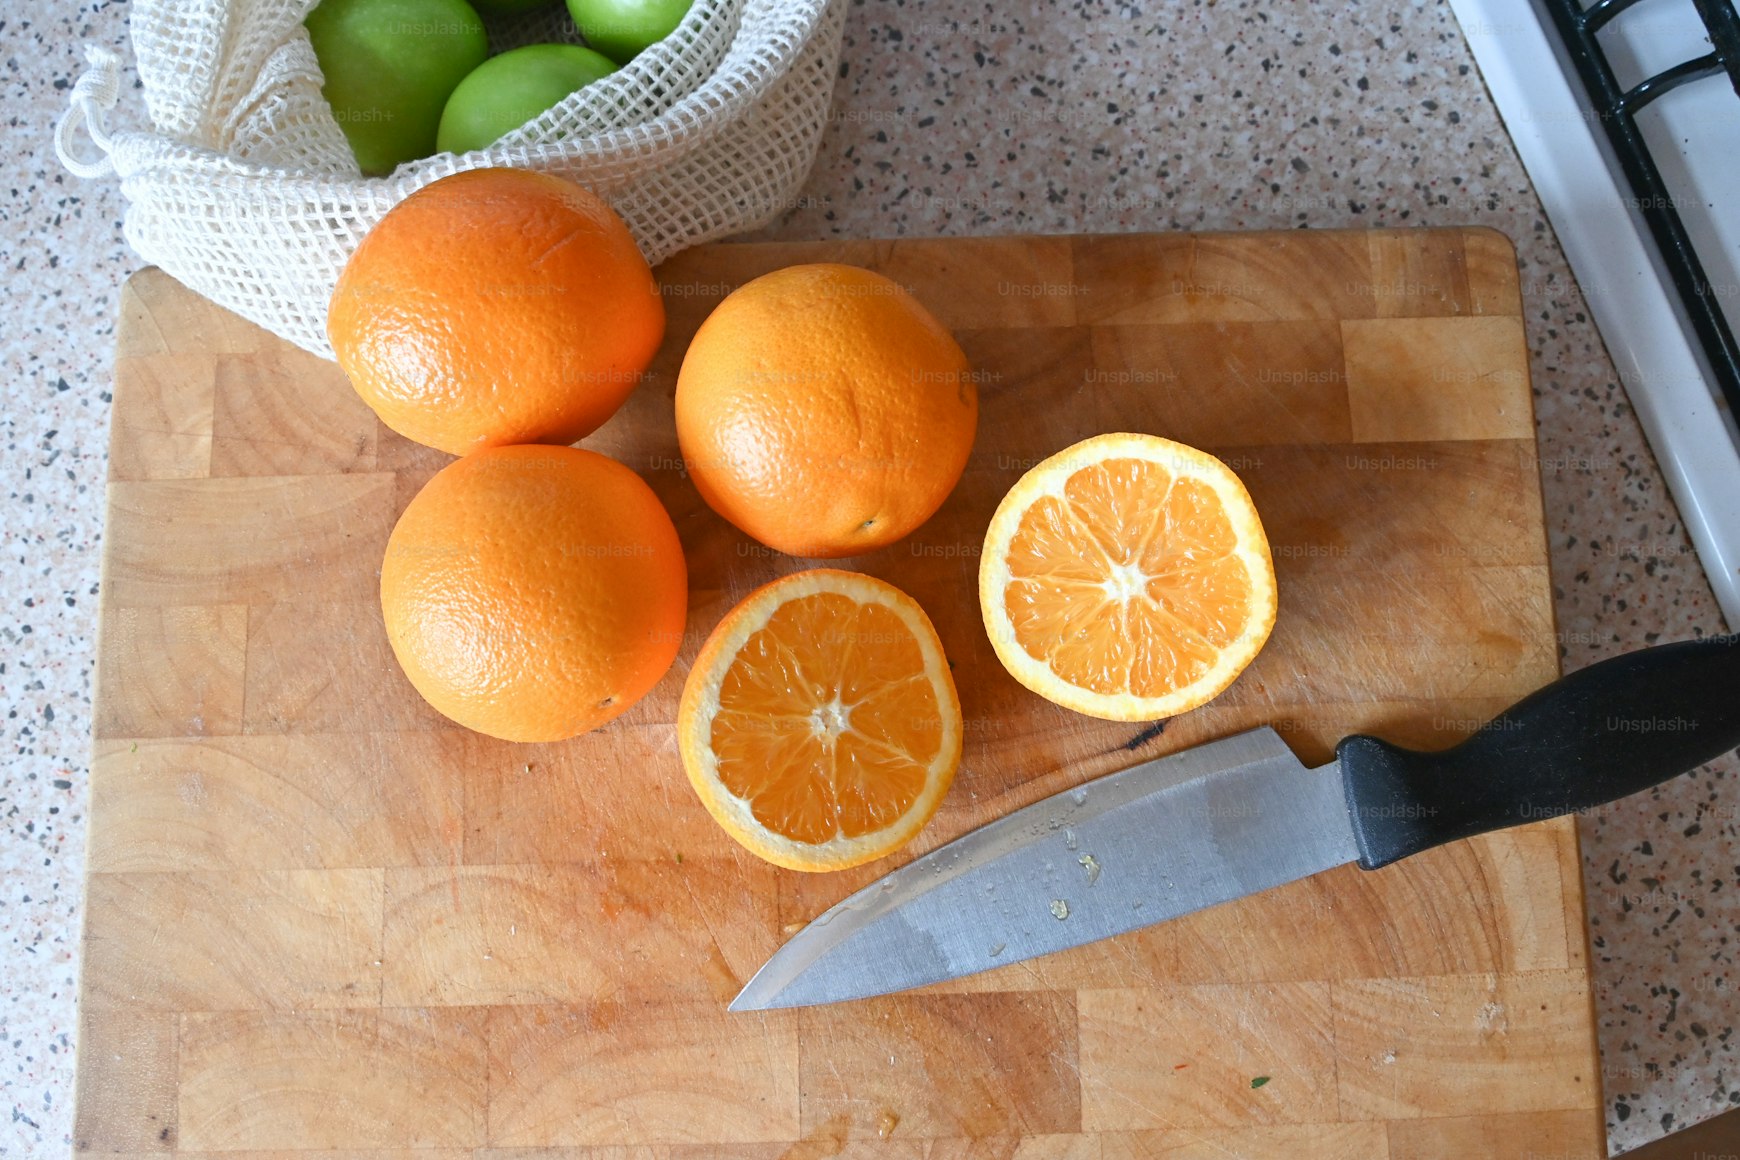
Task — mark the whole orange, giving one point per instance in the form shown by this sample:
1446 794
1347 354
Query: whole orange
533 593
824 411
494 307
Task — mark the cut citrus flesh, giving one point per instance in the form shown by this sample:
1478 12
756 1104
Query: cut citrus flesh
819 724
1127 577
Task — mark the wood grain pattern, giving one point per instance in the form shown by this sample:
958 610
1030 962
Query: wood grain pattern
294 939
178 671
949 1066
320 1080
322 921
667 1072
1144 1063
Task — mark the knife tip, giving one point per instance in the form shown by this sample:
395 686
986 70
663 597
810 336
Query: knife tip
746 1000
761 993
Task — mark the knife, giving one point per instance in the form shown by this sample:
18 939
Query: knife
1243 814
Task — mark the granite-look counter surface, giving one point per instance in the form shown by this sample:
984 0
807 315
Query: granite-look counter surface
956 117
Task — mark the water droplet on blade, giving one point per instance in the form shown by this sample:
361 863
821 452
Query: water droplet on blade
998 949
1059 909
1069 839
1092 866
1079 797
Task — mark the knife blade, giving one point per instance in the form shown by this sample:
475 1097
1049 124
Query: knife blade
1239 815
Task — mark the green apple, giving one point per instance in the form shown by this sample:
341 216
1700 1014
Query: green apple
621 28
390 66
506 91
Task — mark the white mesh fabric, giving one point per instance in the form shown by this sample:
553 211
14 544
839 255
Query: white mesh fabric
246 191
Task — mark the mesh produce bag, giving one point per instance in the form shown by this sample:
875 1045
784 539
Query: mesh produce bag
246 190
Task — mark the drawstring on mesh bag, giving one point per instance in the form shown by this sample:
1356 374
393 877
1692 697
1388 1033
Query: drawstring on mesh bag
94 94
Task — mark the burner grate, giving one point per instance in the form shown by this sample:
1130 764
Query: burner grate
1617 109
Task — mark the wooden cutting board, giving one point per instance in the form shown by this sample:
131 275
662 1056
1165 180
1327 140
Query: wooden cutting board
321 918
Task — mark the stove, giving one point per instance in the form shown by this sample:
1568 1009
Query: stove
1626 114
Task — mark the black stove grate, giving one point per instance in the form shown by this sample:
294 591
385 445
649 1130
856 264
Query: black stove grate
1617 108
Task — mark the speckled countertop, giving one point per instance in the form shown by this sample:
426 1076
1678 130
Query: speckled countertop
956 117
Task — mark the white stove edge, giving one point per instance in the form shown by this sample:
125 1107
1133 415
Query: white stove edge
1636 307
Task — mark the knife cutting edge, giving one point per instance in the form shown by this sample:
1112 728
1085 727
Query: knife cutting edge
1219 821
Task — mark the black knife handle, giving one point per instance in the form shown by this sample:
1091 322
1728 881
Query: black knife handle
1606 731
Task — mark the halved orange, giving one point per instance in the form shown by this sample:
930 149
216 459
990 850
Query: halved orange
819 724
1128 578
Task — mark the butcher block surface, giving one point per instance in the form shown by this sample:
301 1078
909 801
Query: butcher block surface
322 919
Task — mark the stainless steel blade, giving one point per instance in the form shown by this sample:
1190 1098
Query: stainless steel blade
1133 848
